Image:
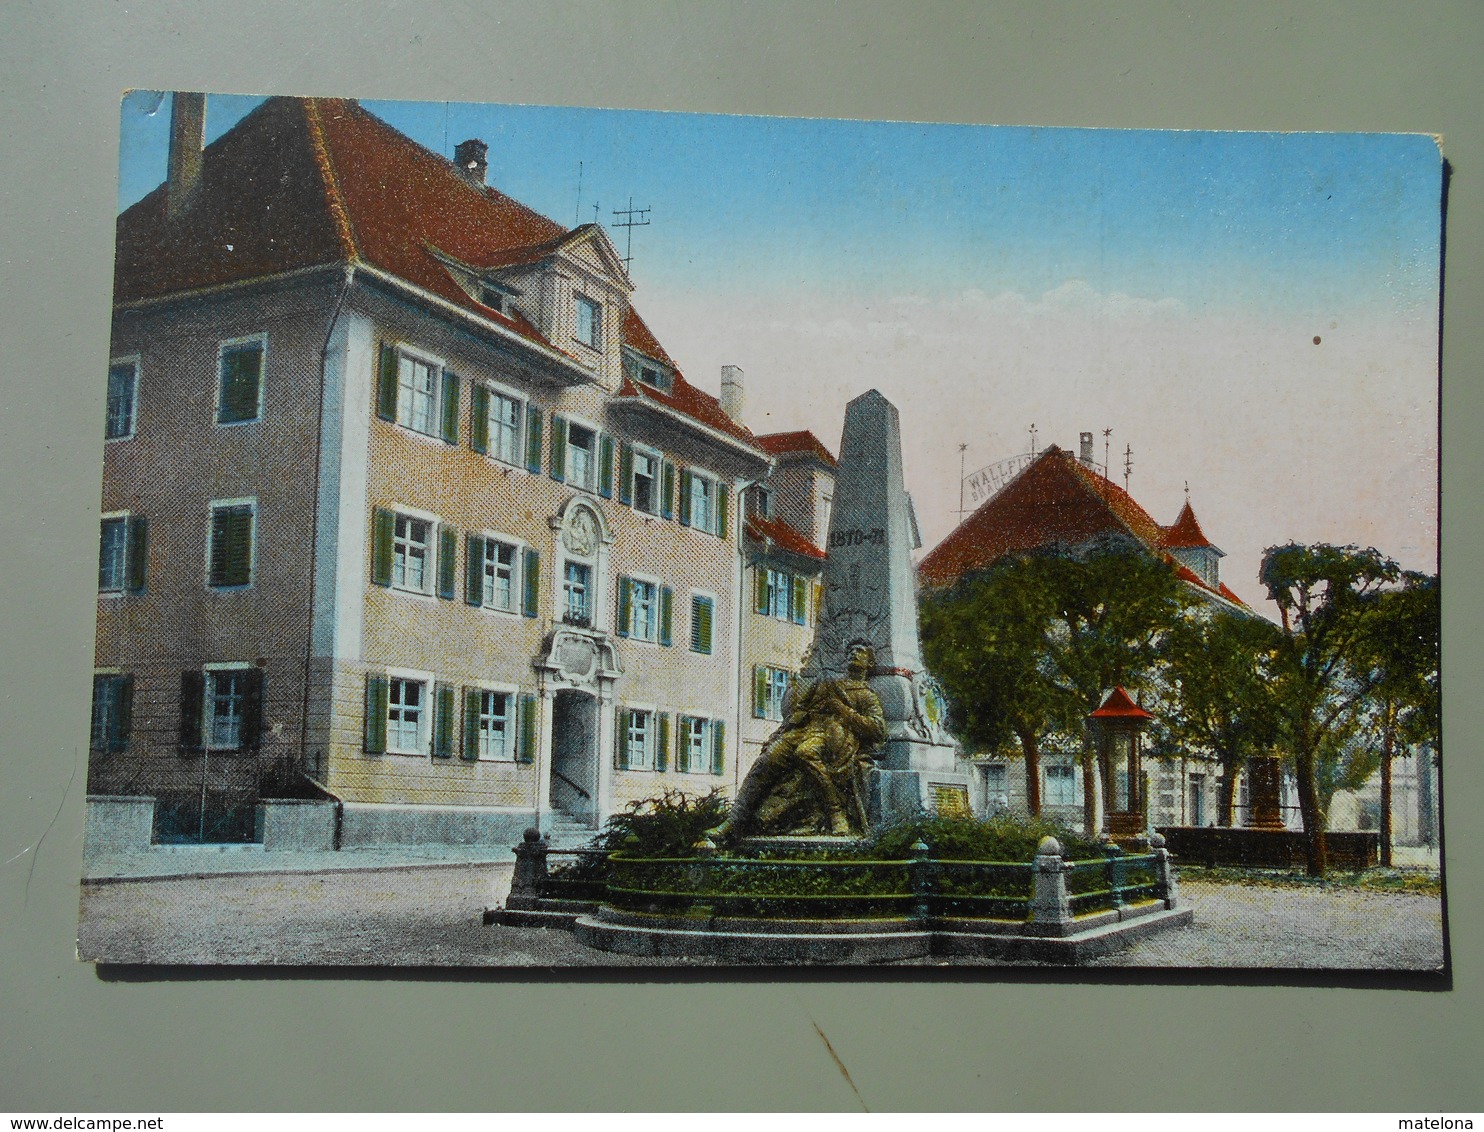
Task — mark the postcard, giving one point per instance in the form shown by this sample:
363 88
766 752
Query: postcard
540 537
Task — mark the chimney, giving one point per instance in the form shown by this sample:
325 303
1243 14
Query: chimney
732 393
470 156
187 137
1086 457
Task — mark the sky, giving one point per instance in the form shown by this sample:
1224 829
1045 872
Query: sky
1253 315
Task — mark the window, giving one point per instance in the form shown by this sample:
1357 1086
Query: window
239 381
405 714
226 704
492 574
645 482
230 554
702 619
504 428
417 383
589 322
643 619
1061 786
782 595
113 555
410 553
701 746
406 548
769 690
577 593
703 503
417 393
760 502
113 711
581 461
996 792
636 737
491 730
653 375
123 385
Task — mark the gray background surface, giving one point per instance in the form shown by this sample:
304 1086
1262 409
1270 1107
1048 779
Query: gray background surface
71 1042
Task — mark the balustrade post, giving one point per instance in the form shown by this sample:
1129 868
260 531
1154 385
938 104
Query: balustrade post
1164 870
528 883
920 875
1117 870
1050 903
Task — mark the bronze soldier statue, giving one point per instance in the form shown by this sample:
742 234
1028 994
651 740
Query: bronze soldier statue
811 775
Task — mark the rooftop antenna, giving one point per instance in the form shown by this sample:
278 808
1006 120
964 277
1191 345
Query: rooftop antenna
1107 432
962 448
632 218
577 212
1033 437
1187 493
1128 464
596 205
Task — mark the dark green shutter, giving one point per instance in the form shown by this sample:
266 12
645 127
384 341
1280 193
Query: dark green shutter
667 490
526 746
531 575
252 709
621 740
377 693
800 587
626 474
761 589
448 555
231 546
474 570
700 624
450 419
479 418
241 374
759 691
605 466
667 614
138 551
533 439
122 723
558 448
718 746
469 747
723 498
386 383
625 605
685 478
192 700
442 721
662 750
383 528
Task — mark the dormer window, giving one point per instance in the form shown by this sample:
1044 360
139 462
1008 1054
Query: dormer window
493 298
653 375
589 322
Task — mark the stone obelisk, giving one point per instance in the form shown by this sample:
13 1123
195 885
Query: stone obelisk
871 599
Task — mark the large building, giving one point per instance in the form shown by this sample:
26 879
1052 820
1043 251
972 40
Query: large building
407 513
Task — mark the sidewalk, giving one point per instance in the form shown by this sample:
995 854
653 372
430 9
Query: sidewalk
175 862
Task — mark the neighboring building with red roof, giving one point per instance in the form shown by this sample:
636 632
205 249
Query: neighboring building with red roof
407 509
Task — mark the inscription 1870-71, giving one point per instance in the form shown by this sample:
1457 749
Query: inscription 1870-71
876 536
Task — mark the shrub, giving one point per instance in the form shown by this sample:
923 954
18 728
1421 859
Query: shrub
1001 838
667 826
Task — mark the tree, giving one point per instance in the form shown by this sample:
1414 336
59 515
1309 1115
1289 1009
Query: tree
1219 695
1402 649
1325 595
987 642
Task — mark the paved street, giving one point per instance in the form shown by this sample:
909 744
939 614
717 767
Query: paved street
432 916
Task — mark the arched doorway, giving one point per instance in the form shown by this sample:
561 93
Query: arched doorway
574 756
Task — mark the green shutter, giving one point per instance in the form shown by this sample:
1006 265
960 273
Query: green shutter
192 700
377 692
123 715
448 555
662 750
386 383
558 448
531 575
759 691
443 721
667 490
526 746
231 546
625 605
533 439
800 587
761 589
383 528
700 624
473 570
718 746
241 374
621 740
138 551
685 497
450 419
667 614
252 709
605 466
626 473
469 747
479 418
723 498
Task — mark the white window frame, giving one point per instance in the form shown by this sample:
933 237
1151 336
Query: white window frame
783 592
589 482
209 673
686 719
656 479
580 303
778 681
403 676
650 747
252 541
712 525
486 586
430 559
496 394
648 630
590 605
511 694
135 362
122 519
439 366
1068 773
261 339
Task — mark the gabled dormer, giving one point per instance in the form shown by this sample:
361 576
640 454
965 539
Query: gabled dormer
1188 545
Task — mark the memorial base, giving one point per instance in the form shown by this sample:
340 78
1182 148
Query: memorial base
900 795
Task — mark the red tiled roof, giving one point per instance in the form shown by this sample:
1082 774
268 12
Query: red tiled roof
1055 501
802 442
783 536
304 182
1120 705
1186 532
